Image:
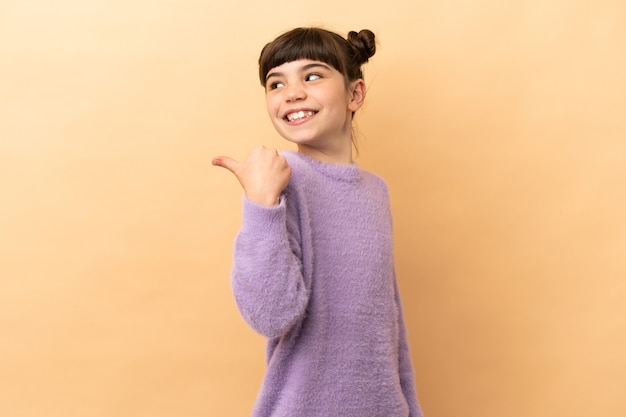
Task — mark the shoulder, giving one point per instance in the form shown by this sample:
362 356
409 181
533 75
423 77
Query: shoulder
375 182
301 171
374 179
296 163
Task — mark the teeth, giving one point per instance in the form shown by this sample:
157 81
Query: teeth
299 115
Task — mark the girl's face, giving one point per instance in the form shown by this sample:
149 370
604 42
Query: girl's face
310 105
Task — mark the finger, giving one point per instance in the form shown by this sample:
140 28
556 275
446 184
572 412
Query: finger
226 162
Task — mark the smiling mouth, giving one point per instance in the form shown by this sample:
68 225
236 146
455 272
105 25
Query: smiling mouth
298 115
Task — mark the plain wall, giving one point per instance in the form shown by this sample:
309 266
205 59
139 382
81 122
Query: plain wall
500 128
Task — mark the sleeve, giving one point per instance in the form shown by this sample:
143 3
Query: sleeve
267 278
407 374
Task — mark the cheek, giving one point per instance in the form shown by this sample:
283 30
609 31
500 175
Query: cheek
273 111
272 106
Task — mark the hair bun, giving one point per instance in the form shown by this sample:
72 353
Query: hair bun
364 43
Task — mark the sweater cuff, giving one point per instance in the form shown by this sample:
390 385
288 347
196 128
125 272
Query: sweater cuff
263 220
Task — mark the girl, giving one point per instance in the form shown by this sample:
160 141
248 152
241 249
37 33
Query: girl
313 264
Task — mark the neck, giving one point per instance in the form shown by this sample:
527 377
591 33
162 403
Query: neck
336 155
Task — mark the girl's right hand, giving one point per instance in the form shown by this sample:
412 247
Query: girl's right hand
264 174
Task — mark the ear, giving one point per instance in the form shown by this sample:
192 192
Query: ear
356 95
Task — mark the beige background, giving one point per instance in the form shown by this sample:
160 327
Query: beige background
499 126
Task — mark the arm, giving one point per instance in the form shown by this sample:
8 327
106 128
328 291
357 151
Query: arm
267 274
267 279
407 375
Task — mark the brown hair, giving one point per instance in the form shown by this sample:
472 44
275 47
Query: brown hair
317 44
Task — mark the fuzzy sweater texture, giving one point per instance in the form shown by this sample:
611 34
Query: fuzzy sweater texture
315 275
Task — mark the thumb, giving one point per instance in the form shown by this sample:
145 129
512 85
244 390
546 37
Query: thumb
226 162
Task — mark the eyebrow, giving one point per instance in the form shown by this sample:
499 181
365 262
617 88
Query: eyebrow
304 68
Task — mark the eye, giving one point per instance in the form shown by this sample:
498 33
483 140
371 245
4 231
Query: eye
275 85
313 76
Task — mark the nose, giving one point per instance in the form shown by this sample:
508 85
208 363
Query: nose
295 92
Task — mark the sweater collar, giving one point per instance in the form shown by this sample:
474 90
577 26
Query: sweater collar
340 172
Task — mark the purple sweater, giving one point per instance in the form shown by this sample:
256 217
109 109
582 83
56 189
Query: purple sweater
315 275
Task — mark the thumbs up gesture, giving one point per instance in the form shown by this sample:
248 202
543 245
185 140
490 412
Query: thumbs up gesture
264 174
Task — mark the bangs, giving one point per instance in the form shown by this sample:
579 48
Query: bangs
302 43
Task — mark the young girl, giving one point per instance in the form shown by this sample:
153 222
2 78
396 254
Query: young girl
313 264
